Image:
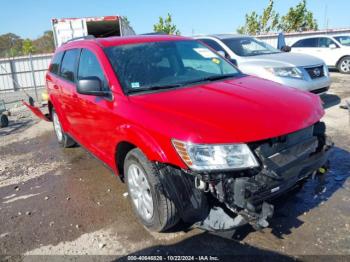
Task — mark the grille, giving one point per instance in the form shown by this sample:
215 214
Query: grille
315 72
321 90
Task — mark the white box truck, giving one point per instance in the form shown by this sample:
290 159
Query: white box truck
65 29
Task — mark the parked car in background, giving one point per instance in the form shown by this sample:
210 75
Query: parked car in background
334 50
193 138
255 57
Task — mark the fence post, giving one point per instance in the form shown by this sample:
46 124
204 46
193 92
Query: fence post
33 76
13 75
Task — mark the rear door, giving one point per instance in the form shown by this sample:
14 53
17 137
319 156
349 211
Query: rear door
52 78
66 85
329 50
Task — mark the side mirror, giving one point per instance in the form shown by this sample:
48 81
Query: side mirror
286 49
233 61
222 53
332 46
91 86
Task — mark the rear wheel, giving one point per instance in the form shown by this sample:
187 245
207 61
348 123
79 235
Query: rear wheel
153 208
344 65
4 121
63 139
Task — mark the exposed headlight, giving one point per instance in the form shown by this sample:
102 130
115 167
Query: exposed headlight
292 72
215 157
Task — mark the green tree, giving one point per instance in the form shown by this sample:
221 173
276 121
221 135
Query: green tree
256 24
10 45
28 47
44 44
166 26
298 18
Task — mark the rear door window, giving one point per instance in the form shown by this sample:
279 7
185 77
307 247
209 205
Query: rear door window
55 63
68 67
310 42
90 67
325 42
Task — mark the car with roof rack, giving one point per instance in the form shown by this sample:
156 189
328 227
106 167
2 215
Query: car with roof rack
193 138
256 57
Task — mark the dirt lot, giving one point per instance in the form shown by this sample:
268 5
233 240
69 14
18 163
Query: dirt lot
55 201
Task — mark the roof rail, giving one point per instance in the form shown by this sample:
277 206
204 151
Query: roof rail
87 37
155 33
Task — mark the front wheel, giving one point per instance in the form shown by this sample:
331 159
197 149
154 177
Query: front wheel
63 139
344 65
153 208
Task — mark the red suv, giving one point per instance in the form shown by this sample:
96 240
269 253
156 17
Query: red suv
193 138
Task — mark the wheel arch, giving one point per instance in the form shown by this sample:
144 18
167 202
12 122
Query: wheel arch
121 150
53 104
157 150
337 64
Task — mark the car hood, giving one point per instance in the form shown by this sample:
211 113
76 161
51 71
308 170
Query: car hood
244 109
283 60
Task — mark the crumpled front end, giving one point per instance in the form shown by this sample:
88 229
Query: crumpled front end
221 201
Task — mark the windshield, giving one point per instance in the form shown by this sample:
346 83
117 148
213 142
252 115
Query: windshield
344 40
248 46
168 64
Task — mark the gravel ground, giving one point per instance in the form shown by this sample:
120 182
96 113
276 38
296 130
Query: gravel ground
55 201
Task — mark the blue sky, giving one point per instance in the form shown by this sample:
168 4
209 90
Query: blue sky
30 18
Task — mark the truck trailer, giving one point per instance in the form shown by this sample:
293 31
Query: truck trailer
65 29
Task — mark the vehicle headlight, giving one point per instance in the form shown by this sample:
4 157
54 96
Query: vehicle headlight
326 70
292 72
215 156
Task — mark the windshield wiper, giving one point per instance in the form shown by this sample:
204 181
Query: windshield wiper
152 88
211 78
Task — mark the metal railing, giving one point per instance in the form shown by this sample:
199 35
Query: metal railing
27 72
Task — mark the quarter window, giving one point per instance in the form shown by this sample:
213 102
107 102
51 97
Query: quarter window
90 67
55 63
69 64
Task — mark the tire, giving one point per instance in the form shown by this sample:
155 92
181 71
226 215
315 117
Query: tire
63 139
4 121
163 215
344 65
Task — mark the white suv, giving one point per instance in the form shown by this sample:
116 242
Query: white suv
334 50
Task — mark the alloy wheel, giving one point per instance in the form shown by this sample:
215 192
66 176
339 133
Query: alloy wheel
140 192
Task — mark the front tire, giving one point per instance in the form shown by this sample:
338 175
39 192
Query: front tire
155 211
344 65
63 139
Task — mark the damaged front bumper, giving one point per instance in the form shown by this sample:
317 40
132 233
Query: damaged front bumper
223 201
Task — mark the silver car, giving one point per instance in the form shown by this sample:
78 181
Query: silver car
257 58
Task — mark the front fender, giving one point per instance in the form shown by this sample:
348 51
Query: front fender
155 146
